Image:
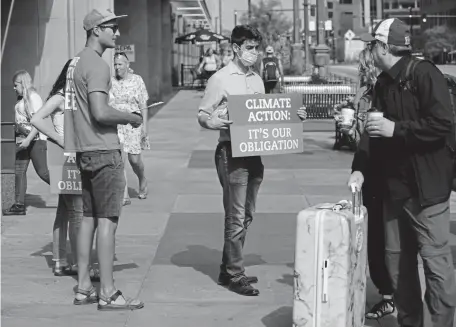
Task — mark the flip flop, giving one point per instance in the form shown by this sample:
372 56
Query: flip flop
91 297
109 306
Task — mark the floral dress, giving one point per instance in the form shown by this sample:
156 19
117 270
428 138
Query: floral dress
129 95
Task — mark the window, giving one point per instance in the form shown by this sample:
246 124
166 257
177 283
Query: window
346 2
330 14
330 5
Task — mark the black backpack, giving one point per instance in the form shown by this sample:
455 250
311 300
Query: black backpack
270 69
451 83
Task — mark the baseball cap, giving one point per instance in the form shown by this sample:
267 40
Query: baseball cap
269 49
389 31
99 16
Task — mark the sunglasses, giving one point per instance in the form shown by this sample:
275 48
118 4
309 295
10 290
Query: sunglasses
121 54
114 28
371 45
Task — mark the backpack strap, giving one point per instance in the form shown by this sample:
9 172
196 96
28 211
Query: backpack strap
409 78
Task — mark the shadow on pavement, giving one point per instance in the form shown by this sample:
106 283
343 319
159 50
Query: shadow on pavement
46 253
287 279
282 317
35 200
194 253
132 192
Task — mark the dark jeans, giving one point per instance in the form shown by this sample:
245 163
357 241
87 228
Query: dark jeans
241 179
269 87
411 229
36 152
376 242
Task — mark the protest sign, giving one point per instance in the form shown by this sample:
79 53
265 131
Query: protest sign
265 124
64 174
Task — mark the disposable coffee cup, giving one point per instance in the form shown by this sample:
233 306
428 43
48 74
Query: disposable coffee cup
373 113
348 115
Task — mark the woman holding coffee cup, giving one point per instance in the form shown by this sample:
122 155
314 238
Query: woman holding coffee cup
351 121
372 196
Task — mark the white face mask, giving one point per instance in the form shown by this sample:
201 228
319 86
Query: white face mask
247 58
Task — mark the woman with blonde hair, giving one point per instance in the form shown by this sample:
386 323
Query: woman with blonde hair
129 94
31 145
372 195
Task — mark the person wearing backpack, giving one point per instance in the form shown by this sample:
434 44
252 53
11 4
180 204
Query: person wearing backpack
271 70
409 148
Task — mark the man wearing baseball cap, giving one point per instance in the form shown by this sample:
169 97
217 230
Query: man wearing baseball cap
408 148
91 132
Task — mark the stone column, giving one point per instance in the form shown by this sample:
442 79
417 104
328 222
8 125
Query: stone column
154 49
167 44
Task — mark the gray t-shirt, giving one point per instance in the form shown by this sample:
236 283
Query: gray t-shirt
87 73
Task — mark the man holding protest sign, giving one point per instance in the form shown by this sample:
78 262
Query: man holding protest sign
240 177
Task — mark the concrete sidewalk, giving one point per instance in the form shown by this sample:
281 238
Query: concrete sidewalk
169 246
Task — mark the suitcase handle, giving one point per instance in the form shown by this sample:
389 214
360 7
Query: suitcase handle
356 200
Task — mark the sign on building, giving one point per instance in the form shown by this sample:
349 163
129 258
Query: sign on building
63 171
265 124
349 35
129 50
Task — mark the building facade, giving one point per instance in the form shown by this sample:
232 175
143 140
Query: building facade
439 8
41 35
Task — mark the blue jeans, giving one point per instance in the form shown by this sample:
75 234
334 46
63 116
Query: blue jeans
241 179
36 152
67 221
411 229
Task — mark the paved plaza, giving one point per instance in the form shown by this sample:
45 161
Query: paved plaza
169 246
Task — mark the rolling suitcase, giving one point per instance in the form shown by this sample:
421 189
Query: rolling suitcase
330 265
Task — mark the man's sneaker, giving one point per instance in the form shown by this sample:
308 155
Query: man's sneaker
225 279
381 309
243 287
15 210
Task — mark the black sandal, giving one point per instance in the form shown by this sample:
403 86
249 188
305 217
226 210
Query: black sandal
72 270
91 297
383 308
66 271
109 306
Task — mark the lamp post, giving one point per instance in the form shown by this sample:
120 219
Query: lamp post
235 18
249 10
296 58
306 33
220 16
411 26
321 50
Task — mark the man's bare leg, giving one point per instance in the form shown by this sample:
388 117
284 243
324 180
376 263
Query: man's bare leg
105 249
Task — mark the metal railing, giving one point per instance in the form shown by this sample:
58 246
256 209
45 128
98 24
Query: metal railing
189 77
320 99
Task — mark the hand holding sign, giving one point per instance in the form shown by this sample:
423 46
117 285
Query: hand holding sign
302 113
219 118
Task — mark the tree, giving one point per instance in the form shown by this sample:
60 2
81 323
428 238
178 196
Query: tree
438 39
271 24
